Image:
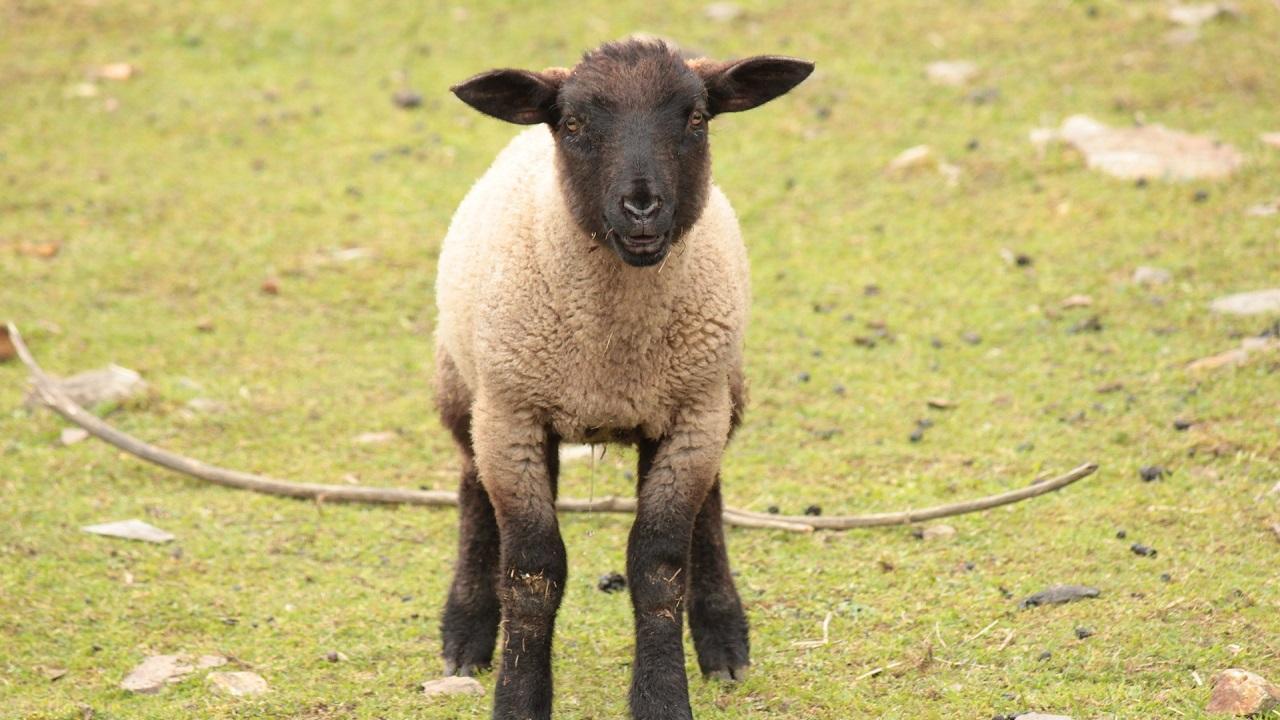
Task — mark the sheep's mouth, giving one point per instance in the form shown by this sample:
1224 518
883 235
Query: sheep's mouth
642 250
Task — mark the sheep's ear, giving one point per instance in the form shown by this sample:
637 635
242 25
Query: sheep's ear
518 96
744 84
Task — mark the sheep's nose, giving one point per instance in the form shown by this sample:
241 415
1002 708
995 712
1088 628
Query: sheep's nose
641 208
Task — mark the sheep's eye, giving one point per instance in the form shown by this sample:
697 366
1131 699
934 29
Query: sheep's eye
697 118
572 124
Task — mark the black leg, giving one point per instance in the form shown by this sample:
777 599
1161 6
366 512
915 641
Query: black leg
533 577
657 568
716 619
471 615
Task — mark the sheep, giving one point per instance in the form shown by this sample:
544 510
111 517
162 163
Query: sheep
593 287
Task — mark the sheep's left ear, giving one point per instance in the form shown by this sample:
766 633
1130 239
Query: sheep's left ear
744 84
518 96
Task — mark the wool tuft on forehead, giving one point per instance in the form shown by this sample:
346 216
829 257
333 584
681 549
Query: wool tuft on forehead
634 71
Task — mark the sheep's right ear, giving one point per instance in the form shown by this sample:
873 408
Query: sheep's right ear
517 96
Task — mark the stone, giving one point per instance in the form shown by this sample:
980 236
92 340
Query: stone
1148 275
1196 15
238 684
1148 152
953 73
913 158
1257 302
375 438
452 685
1240 692
155 672
73 435
1059 594
722 12
131 530
112 384
938 532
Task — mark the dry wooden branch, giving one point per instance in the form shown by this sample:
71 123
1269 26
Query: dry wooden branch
51 394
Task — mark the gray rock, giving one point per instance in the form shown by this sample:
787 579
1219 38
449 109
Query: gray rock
938 532
1248 303
159 670
1059 594
238 684
112 384
131 530
1147 275
452 685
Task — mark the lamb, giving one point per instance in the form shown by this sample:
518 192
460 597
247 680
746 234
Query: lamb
593 287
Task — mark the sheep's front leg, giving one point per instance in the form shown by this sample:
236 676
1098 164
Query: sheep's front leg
675 474
716 619
511 451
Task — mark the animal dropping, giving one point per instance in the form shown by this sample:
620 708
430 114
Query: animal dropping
604 213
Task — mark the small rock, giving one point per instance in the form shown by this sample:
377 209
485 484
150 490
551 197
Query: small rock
205 325
773 510
913 158
939 403
1121 534
116 71
334 656
155 672
1077 301
813 510
1248 303
803 377
971 338
953 73
375 438
1240 692
1148 275
73 435
1197 15
131 530
938 532
1151 473
53 673
611 582
238 684
1083 632
916 435
1143 550
1059 594
109 385
205 406
1182 424
406 99
270 286
452 685
1044 656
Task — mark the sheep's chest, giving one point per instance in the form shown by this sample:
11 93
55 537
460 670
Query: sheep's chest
616 362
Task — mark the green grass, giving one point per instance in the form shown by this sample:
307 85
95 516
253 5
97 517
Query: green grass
259 138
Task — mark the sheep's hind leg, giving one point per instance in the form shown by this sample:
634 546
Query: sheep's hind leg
716 619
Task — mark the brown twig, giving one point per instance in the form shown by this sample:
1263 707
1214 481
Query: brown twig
51 394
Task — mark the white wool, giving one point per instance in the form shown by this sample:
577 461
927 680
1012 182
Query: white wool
543 321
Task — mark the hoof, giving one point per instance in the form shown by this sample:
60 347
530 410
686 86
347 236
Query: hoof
736 674
467 670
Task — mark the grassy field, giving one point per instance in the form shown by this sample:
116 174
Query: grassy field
258 141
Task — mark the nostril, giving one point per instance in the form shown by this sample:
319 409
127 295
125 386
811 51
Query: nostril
642 209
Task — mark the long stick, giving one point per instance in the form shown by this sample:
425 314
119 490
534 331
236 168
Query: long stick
50 393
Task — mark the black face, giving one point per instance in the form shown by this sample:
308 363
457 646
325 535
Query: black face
630 123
